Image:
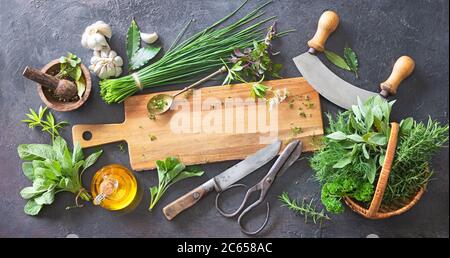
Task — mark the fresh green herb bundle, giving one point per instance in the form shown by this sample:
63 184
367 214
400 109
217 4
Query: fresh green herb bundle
192 58
170 171
354 149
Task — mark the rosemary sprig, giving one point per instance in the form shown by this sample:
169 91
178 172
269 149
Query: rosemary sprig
307 209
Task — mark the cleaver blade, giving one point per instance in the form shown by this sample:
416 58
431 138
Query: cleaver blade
328 84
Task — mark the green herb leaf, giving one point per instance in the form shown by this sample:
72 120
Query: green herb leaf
351 60
337 60
378 139
355 138
406 125
371 171
142 56
258 90
46 198
29 192
365 152
35 151
343 162
338 136
32 208
369 119
27 168
81 87
133 39
91 159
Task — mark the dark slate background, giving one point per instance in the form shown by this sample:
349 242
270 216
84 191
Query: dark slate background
35 32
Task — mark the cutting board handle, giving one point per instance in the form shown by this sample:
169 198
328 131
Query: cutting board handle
94 135
328 23
403 67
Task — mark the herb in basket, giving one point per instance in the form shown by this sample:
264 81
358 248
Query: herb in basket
196 56
349 162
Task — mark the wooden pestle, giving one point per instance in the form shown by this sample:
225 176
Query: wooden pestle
62 88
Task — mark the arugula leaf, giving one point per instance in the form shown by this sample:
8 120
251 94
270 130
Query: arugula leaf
133 39
170 171
351 59
142 56
337 60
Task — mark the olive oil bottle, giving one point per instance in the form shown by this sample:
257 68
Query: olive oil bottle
114 187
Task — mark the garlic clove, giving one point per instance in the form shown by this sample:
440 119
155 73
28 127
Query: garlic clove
94 59
84 40
100 41
112 54
103 73
118 71
149 38
118 61
97 53
104 53
103 28
98 68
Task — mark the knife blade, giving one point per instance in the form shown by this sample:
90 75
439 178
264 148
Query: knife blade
223 180
328 84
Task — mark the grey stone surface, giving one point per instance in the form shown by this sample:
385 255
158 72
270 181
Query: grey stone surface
35 32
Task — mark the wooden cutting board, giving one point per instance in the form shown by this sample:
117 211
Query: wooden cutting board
211 124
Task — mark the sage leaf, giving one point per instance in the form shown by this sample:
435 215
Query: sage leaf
371 171
337 60
369 120
406 125
377 139
27 168
338 136
365 152
343 162
32 208
91 159
142 56
351 59
133 39
355 138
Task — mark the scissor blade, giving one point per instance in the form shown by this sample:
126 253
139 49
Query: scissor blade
247 166
292 158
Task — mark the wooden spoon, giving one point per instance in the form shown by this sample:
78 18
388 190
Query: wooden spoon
62 88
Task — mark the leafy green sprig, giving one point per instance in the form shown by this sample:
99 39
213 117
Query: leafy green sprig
71 67
138 56
47 123
170 171
307 209
349 62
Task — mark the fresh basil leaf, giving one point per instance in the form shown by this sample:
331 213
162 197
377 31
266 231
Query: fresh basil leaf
32 208
355 138
133 39
337 60
46 173
343 162
89 161
81 87
29 192
188 172
153 192
351 59
377 139
142 57
338 136
27 168
36 152
170 175
77 153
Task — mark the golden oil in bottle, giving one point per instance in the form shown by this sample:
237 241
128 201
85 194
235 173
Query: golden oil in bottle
113 187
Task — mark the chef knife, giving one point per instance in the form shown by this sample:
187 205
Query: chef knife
328 84
223 180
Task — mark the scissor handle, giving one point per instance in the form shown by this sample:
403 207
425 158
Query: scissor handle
249 208
242 205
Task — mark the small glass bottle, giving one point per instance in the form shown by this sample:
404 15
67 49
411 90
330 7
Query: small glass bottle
113 187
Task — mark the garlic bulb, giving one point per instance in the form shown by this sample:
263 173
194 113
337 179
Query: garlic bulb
106 63
94 36
149 38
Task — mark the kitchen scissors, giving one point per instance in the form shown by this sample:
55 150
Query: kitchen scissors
289 155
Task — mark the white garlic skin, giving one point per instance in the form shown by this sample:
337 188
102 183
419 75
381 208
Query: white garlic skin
94 36
106 64
149 38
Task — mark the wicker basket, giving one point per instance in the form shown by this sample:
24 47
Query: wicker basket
376 210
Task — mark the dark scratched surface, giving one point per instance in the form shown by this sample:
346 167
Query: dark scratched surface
35 32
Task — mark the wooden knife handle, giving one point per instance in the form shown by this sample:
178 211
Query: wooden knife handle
185 201
99 134
328 23
403 67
